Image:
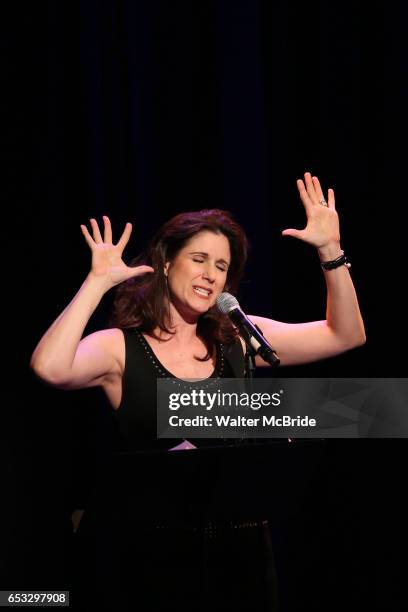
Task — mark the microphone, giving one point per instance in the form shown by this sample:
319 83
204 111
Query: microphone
251 333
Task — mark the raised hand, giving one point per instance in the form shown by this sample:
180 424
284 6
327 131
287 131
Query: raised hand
322 228
107 262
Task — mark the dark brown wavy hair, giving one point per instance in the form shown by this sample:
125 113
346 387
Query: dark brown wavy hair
142 302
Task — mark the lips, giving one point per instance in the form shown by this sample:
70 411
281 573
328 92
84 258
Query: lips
207 291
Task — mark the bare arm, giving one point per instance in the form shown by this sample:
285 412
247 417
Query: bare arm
343 328
61 358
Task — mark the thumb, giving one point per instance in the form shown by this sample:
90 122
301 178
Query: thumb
293 232
139 270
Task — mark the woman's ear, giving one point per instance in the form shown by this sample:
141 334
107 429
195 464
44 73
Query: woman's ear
166 268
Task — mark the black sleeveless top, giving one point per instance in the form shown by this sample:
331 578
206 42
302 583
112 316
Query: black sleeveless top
136 416
168 513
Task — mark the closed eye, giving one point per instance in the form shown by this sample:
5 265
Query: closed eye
202 261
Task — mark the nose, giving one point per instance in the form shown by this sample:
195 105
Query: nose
209 274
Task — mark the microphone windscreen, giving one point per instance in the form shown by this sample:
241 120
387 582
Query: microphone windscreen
227 302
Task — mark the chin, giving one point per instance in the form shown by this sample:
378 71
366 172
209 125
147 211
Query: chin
200 309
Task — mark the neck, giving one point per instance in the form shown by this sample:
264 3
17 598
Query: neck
184 325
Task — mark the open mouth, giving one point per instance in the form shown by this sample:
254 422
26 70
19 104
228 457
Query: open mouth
202 292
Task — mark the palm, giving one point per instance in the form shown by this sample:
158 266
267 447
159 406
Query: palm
322 227
107 262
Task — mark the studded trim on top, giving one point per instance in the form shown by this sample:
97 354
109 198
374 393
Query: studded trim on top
163 373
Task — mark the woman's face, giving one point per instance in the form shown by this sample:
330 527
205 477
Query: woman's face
198 273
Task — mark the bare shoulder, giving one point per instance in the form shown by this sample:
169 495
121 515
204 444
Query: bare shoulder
110 337
262 323
270 323
99 361
299 343
111 341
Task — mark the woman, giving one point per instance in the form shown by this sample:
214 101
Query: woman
167 324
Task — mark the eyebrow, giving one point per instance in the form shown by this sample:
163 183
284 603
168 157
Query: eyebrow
206 255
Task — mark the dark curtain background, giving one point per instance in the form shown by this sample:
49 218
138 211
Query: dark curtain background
141 110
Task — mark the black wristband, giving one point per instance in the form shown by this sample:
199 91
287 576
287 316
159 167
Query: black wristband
336 263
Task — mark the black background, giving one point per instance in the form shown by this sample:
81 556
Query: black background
140 110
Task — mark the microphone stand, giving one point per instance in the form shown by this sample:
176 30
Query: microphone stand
250 365
250 369
250 359
248 376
